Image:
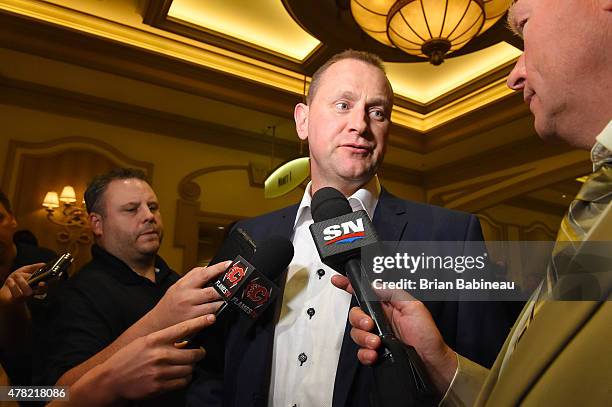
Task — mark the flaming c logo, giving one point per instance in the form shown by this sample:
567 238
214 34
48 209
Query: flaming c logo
257 293
235 274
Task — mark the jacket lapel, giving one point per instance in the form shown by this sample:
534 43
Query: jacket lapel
279 223
390 218
284 223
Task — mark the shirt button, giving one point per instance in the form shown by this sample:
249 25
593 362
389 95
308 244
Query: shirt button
310 312
320 273
302 358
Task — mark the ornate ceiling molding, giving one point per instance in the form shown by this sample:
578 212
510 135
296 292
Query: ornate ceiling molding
59 43
231 63
197 53
474 194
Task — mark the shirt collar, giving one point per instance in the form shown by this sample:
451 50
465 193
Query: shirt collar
123 272
602 150
365 198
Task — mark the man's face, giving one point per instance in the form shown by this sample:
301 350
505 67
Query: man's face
562 64
346 124
8 224
130 227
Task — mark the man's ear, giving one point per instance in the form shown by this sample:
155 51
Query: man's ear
300 114
95 221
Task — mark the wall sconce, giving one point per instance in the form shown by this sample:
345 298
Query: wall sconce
63 211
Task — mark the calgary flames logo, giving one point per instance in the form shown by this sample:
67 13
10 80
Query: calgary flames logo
257 293
235 274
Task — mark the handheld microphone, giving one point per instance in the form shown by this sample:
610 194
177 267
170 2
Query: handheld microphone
247 285
400 377
237 243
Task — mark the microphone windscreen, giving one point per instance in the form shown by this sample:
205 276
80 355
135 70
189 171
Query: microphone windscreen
328 203
273 256
238 242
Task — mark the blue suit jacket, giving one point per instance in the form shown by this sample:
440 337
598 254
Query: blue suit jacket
471 329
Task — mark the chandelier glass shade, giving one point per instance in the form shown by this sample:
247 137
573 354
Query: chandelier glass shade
427 28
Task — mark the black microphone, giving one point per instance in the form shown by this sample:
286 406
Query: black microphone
247 286
237 242
400 378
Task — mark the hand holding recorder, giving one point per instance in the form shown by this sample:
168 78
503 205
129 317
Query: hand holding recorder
16 289
32 279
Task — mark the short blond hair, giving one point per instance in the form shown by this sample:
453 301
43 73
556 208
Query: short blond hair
367 57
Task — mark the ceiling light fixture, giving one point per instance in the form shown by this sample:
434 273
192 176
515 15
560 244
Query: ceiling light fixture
429 29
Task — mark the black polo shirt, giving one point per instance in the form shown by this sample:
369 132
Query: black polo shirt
95 306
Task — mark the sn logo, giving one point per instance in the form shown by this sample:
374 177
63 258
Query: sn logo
345 232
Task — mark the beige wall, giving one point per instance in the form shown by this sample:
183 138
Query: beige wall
523 223
226 192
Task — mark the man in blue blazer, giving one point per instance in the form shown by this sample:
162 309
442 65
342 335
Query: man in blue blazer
300 353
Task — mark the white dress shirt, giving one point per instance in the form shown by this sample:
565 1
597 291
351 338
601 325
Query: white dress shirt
309 333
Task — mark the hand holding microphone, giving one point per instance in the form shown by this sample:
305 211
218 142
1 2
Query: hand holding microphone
193 294
188 298
412 324
247 285
339 234
164 360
